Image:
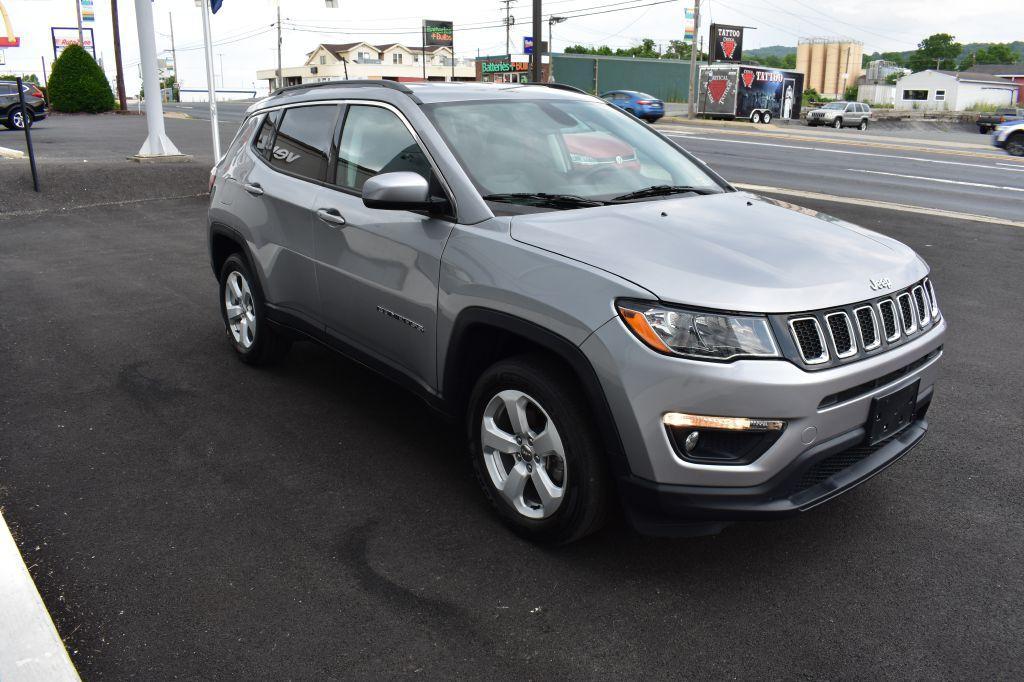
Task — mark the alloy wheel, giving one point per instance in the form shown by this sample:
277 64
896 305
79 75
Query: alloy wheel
18 119
239 309
524 454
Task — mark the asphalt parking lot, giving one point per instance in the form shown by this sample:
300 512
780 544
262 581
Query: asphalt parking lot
185 516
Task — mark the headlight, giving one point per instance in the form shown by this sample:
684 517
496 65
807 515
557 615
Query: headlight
698 334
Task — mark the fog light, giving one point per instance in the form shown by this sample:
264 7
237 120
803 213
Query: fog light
691 441
696 421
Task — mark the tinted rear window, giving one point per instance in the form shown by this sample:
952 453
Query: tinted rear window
265 140
303 142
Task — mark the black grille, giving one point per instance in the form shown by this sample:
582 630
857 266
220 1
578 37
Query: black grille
839 325
866 322
830 466
808 337
906 313
888 311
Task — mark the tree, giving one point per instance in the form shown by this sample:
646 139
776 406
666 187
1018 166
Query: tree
30 78
996 53
811 95
937 51
789 61
851 93
77 83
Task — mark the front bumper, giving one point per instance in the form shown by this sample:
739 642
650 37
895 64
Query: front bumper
815 477
825 413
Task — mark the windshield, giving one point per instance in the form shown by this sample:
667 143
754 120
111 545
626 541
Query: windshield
585 149
835 105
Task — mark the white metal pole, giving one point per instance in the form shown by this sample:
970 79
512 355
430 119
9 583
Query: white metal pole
157 143
210 86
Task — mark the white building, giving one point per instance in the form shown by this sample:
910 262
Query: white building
361 60
933 90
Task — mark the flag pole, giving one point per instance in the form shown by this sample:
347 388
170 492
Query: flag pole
210 87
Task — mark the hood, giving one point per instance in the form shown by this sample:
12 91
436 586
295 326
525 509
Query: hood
732 251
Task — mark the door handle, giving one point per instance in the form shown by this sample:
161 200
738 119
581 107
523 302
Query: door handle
253 189
330 215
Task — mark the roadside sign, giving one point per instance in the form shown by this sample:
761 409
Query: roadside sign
7 37
3 57
726 43
63 36
438 33
88 11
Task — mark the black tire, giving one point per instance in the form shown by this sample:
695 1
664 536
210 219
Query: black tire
755 117
1015 144
587 494
837 123
863 124
766 118
14 117
982 129
268 345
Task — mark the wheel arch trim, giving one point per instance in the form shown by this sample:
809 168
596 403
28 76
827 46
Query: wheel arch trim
456 394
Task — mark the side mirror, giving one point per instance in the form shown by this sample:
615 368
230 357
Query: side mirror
401 190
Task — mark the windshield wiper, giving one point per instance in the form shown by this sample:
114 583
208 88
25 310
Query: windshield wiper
663 190
543 198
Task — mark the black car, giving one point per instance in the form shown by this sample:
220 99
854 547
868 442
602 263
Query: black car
10 109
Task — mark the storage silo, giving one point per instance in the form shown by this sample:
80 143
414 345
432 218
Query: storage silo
830 85
816 69
803 58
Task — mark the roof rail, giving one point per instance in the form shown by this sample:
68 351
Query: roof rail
562 86
390 85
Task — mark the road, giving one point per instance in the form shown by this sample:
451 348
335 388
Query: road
186 516
974 180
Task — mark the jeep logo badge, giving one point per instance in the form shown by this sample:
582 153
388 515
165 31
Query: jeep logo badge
880 283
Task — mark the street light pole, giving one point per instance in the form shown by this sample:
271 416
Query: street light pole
551 45
210 86
81 33
118 66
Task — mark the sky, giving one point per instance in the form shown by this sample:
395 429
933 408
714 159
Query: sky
245 39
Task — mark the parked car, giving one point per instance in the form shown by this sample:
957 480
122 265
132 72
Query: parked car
841 115
1010 136
640 330
10 108
639 104
988 122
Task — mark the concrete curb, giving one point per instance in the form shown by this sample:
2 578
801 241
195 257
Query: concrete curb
6 153
176 114
31 650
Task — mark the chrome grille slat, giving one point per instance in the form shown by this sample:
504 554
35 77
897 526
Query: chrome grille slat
921 301
907 317
841 331
934 302
809 340
887 309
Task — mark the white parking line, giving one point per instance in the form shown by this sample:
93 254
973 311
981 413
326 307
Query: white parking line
30 648
872 203
1003 167
942 180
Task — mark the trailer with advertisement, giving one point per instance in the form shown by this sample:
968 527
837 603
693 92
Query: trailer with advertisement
756 93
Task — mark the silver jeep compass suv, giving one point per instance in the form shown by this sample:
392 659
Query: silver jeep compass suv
609 318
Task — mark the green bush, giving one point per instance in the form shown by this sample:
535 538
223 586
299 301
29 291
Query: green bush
77 83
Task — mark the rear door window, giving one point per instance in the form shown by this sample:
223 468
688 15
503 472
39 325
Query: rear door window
265 139
303 143
373 141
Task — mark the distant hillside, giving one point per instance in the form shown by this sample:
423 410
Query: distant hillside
770 51
969 48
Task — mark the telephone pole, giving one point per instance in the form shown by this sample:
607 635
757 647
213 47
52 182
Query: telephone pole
693 60
280 77
118 67
174 58
538 43
508 24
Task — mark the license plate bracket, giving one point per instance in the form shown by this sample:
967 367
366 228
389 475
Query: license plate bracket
892 413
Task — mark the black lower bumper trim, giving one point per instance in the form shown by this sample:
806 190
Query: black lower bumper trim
816 476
